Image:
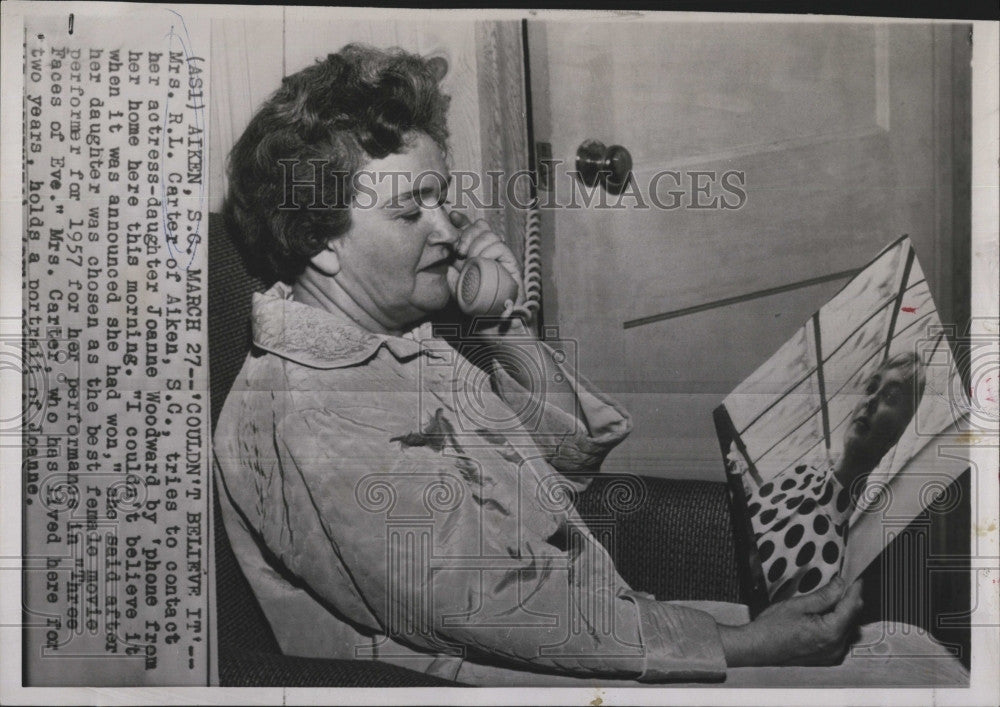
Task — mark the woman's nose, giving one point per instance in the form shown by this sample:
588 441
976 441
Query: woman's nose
863 405
444 230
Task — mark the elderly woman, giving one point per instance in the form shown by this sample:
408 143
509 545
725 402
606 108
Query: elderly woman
377 517
800 516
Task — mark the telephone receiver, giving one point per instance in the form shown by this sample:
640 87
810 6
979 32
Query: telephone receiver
483 288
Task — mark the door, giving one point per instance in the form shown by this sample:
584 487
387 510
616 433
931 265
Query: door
782 156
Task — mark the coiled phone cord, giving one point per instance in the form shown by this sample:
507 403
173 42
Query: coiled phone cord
532 269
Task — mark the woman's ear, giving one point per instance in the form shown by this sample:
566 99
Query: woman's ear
438 65
327 261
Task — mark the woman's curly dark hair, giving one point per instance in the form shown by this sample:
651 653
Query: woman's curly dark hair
356 105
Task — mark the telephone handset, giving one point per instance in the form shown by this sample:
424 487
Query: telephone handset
485 288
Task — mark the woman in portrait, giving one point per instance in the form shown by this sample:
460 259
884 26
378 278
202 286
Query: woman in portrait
800 516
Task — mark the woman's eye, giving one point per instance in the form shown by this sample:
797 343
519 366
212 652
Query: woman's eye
412 216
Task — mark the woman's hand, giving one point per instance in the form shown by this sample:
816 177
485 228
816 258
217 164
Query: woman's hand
479 241
808 630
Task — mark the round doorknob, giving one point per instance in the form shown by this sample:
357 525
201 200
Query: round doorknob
611 167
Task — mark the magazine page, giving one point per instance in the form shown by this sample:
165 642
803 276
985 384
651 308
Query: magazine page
822 434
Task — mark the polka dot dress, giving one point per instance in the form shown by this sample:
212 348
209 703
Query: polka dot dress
800 520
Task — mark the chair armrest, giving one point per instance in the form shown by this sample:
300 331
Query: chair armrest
671 538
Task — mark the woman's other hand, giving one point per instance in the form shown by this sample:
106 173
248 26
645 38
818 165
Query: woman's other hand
813 629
